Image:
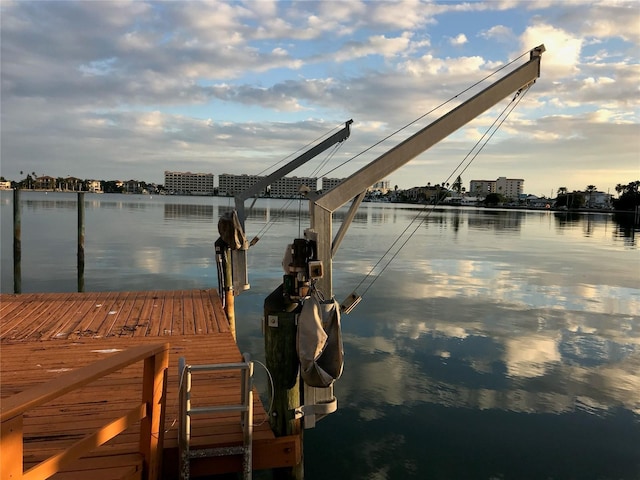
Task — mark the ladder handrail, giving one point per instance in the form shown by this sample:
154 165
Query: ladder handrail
245 408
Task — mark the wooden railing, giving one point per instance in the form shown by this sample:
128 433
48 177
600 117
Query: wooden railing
150 412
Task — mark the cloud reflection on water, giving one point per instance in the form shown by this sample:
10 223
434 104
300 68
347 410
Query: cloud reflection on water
526 365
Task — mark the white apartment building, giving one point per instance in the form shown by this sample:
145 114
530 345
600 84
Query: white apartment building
289 187
189 183
508 187
230 185
482 188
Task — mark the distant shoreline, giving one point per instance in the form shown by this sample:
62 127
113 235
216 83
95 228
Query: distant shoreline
491 207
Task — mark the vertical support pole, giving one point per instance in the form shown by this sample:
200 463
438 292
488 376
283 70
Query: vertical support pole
247 417
11 445
184 425
17 245
229 300
280 330
321 220
81 241
154 387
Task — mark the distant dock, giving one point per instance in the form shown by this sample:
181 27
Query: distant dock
44 336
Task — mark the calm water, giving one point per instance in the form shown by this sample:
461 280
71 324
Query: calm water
496 345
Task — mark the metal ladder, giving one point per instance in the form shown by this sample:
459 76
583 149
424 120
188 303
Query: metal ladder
187 411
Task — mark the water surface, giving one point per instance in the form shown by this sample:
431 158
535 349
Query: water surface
495 344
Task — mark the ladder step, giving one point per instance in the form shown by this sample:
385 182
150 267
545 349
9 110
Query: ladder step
218 409
217 452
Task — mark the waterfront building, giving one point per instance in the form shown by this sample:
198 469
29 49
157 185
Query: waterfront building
381 186
482 188
329 183
428 194
597 199
45 182
508 187
94 186
72 183
378 188
230 185
289 187
189 183
133 186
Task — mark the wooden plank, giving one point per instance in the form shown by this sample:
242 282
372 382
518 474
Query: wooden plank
199 321
25 320
89 325
102 324
188 314
214 313
145 321
112 325
156 316
123 466
177 314
134 320
64 319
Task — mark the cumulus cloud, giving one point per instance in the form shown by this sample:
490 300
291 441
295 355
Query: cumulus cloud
499 33
458 40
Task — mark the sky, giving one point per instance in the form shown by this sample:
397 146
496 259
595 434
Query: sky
119 90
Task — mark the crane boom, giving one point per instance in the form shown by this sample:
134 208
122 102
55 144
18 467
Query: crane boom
240 276
322 207
241 197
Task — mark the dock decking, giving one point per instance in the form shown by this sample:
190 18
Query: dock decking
42 335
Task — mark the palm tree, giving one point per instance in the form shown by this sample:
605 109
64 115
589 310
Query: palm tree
590 190
457 185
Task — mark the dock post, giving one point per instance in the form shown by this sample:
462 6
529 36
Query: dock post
80 241
229 300
17 245
280 330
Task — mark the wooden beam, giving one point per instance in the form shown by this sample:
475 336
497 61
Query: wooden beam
11 447
154 393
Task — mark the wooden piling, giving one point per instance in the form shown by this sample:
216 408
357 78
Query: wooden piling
80 241
17 245
229 300
280 330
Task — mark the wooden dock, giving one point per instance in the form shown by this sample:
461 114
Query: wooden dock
44 335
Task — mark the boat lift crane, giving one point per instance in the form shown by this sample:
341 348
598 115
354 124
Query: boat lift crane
309 262
323 246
